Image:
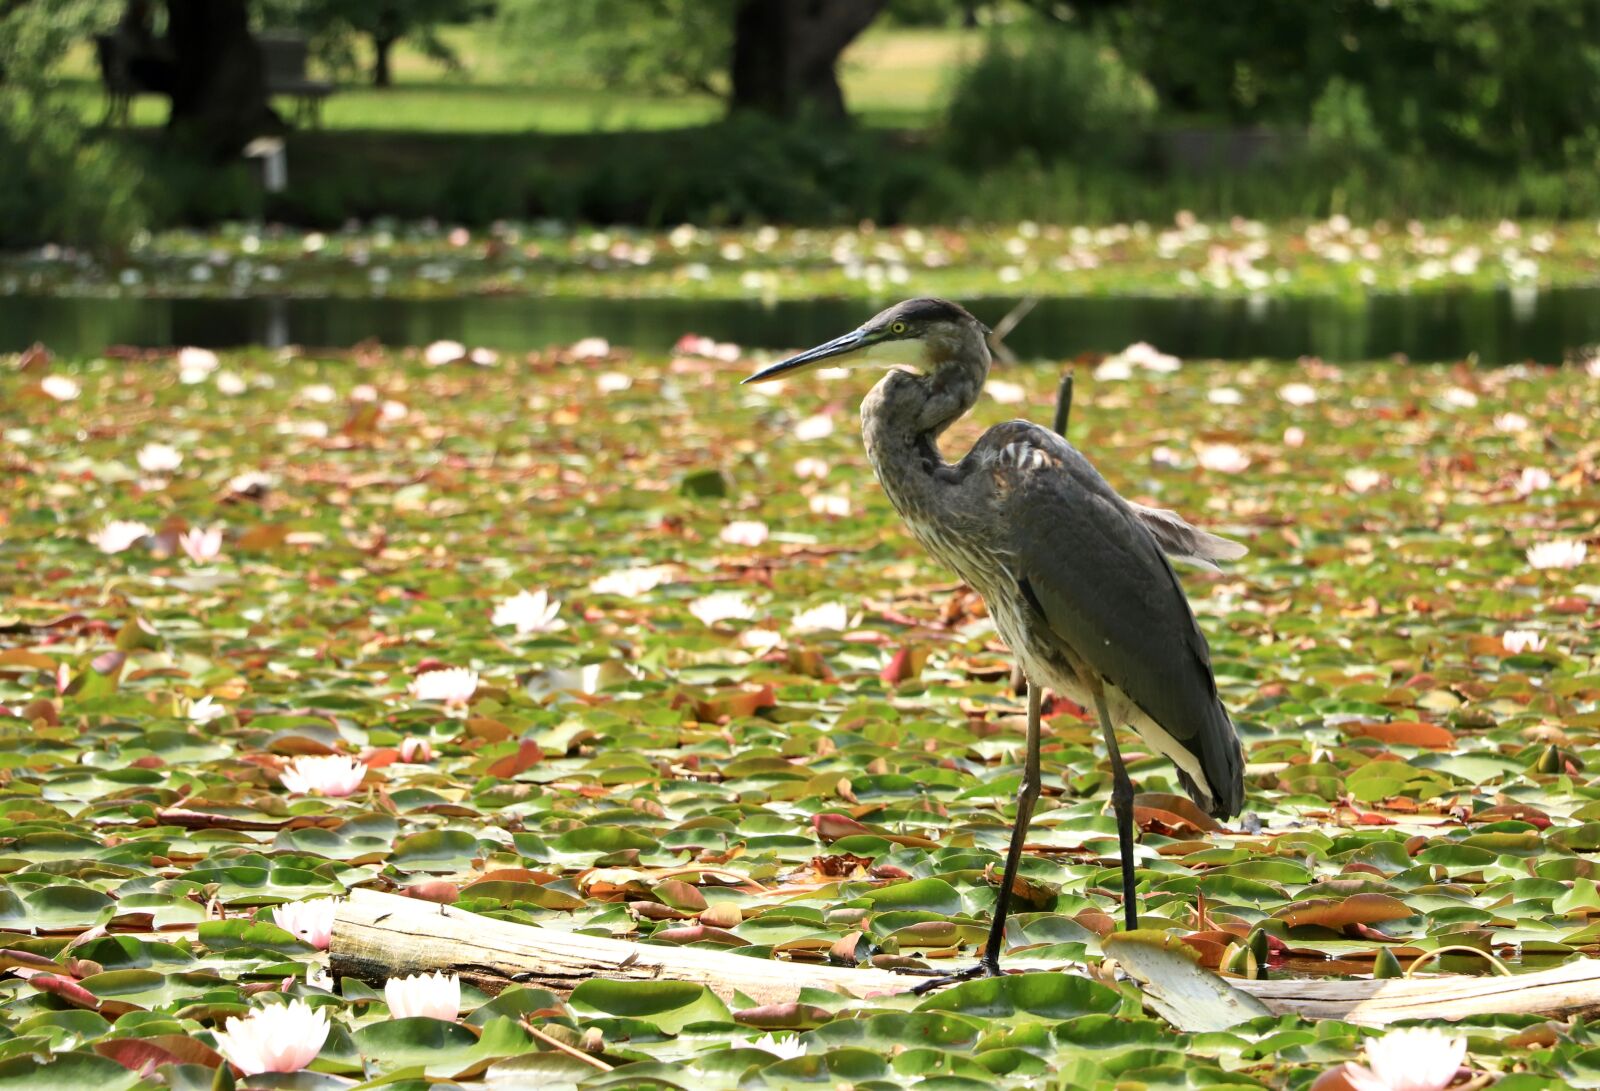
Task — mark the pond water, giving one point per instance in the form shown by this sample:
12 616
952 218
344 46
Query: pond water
1499 327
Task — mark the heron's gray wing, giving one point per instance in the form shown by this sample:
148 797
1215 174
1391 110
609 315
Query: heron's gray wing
1097 575
1182 542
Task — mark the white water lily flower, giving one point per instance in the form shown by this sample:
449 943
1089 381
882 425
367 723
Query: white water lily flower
1511 422
631 582
529 612
811 467
744 532
431 996
812 428
440 353
311 920
118 535
1458 397
61 388
1517 641
760 640
722 606
274 1038
1006 393
1362 479
452 686
204 711
787 1047
591 348
1413 1059
1297 393
251 483
612 382
159 458
1224 395
1223 458
827 504
829 617
196 364
1561 553
1294 436
331 775
1140 354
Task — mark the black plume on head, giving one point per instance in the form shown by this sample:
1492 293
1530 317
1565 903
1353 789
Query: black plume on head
933 310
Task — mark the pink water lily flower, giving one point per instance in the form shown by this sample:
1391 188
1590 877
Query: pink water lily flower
275 1038
333 775
1533 479
311 920
201 545
1413 1059
434 996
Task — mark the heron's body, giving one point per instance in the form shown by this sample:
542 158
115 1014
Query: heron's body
1044 505
1075 577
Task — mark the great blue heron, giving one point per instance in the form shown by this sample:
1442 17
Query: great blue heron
1076 578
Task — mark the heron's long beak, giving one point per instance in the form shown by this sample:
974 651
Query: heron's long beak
839 346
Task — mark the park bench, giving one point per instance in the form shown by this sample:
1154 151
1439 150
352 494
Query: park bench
283 57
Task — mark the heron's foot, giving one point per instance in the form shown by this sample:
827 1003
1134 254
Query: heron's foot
984 967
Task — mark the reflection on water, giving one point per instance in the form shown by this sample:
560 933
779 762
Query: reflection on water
1499 327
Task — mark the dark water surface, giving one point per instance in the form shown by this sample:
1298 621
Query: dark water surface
1499 327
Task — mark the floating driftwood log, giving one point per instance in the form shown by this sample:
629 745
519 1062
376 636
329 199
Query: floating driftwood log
377 936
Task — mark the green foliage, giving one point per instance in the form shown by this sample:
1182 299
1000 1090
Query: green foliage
337 23
671 45
1343 129
61 183
1477 78
1060 95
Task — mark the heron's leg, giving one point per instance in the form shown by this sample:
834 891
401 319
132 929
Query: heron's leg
1122 804
1027 796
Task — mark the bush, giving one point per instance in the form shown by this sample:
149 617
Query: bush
61 185
1062 95
1343 129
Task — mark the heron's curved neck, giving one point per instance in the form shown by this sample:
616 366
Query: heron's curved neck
903 416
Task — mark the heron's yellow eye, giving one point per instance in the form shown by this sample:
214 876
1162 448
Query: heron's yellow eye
898 327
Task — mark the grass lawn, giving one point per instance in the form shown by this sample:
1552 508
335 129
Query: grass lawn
892 77
786 739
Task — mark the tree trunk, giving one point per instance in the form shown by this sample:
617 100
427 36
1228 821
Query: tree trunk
785 53
218 85
381 46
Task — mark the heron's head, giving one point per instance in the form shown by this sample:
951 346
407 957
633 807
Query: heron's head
919 333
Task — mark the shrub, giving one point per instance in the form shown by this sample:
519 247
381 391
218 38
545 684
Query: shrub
1062 95
61 185
1343 129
